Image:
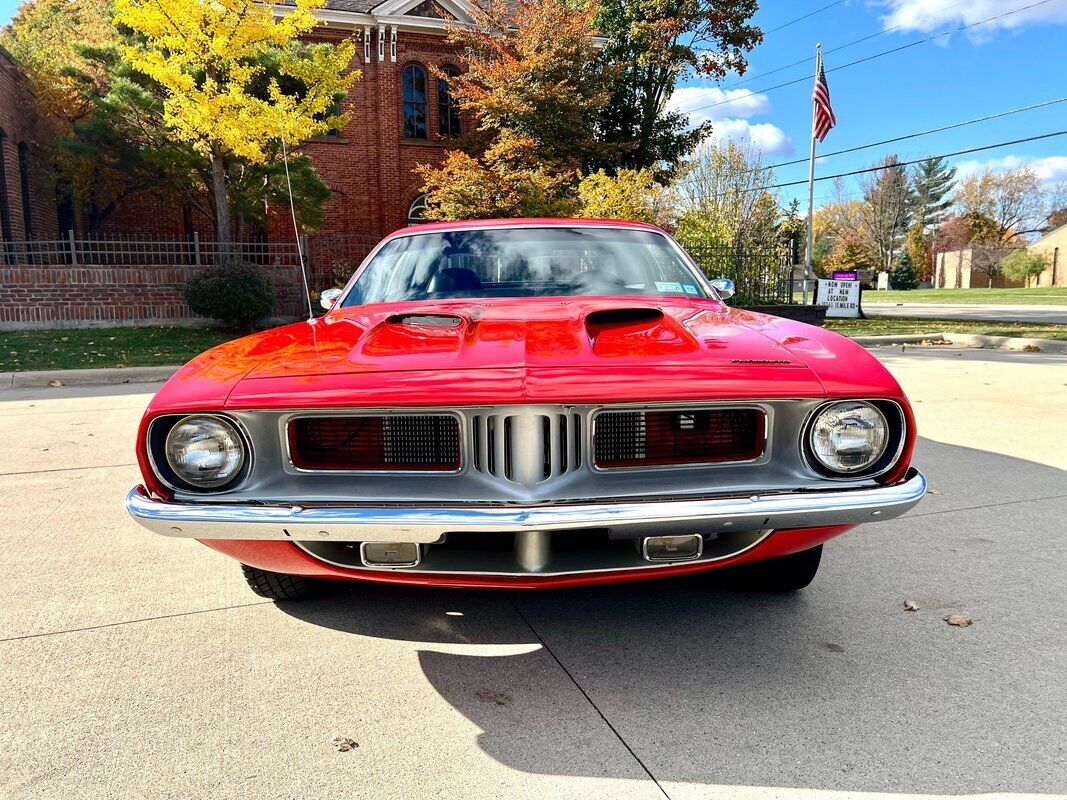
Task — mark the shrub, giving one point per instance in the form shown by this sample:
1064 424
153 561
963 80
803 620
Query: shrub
237 293
903 276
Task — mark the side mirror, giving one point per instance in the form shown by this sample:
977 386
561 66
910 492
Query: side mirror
329 297
724 286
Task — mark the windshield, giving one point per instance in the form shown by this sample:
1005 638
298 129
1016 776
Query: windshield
524 262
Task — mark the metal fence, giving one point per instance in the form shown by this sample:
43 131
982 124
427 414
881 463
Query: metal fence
760 276
329 258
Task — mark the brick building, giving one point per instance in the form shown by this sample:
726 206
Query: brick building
400 116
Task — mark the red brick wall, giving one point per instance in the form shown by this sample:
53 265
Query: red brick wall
19 124
81 296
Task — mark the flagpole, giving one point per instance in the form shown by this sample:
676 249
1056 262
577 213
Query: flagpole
811 183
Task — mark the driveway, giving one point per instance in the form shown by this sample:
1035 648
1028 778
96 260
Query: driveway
140 666
1043 315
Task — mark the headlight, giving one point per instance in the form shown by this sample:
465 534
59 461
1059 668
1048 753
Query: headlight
206 452
848 437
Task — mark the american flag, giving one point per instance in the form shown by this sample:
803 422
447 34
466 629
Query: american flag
824 113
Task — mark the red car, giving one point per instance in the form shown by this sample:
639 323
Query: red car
526 404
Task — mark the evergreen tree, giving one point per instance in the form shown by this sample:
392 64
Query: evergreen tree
903 276
932 184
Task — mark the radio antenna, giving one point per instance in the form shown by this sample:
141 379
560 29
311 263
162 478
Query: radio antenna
296 232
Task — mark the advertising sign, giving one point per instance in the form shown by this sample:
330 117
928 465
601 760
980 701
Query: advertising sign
845 276
841 298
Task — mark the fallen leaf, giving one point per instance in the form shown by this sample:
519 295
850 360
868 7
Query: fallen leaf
342 744
833 648
1031 348
959 620
911 605
933 491
56 384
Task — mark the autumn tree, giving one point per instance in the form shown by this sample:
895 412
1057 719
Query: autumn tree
628 194
651 45
532 88
725 196
887 209
1002 202
45 38
850 253
210 60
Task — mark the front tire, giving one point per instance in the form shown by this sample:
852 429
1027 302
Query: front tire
276 586
784 574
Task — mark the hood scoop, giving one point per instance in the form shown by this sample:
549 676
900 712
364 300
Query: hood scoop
637 332
600 321
426 320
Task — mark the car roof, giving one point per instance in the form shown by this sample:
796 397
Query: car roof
522 222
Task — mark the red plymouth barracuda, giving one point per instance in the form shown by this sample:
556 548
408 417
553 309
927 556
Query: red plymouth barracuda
526 404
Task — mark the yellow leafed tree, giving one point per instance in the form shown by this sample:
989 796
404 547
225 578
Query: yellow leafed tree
210 56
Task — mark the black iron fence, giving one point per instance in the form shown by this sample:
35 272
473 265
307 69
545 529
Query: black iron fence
329 258
761 276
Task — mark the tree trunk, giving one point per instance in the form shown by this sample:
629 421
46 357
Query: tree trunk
222 205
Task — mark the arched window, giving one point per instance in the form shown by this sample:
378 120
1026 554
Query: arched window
448 122
24 184
417 210
414 80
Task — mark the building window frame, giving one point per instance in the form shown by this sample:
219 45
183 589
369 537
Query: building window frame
449 123
6 236
415 106
24 186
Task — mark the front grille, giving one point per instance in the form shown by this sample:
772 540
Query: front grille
682 436
526 446
400 442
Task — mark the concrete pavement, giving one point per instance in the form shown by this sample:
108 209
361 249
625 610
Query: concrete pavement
139 666
1041 315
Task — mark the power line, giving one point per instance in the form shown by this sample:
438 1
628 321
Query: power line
836 49
921 133
879 167
805 16
867 58
917 160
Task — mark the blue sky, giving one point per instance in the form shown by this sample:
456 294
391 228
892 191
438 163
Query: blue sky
1006 64
1012 62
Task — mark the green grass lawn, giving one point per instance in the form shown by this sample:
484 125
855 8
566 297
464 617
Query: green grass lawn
892 326
1037 296
104 347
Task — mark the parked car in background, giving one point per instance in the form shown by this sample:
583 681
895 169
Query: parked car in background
529 404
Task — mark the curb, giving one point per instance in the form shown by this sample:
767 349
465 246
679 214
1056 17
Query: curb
84 377
967 340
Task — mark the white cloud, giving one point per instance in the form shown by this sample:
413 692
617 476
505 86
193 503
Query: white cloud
728 111
1050 169
710 102
929 16
768 138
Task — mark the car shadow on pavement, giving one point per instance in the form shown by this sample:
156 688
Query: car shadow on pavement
837 687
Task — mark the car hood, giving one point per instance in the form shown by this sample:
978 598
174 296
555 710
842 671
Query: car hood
594 333
575 350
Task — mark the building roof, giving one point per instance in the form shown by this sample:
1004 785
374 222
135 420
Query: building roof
356 6
1050 234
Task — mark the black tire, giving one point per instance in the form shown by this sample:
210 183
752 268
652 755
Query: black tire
785 574
276 586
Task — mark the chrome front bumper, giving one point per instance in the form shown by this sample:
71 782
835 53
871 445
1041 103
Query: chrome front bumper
808 509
